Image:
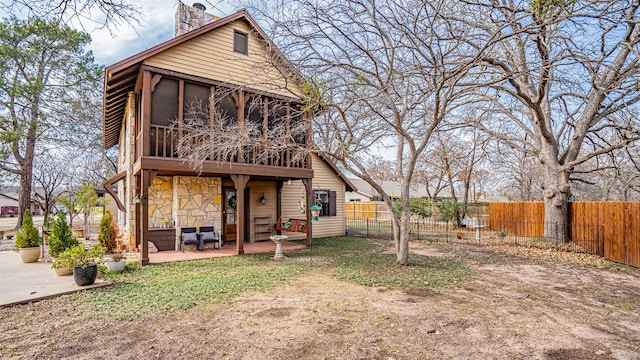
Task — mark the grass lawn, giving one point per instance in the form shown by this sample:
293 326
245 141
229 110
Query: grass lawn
345 299
140 292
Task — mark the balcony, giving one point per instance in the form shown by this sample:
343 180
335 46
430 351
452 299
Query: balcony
164 143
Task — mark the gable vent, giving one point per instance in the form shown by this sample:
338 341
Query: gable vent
240 42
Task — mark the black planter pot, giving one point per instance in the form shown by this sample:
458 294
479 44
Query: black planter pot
86 276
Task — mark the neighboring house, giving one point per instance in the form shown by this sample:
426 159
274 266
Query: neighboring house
366 192
242 196
9 200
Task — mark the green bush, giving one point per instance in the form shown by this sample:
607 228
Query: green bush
421 207
28 235
61 237
79 256
108 232
450 210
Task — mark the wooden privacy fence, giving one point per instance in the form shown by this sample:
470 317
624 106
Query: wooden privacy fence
367 210
615 224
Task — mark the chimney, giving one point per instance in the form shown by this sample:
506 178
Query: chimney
190 18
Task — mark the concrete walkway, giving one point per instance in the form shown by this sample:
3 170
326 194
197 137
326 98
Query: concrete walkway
22 283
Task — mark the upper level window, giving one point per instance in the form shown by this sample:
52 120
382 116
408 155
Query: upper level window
240 42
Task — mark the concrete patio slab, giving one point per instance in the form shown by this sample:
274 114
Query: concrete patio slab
23 283
229 249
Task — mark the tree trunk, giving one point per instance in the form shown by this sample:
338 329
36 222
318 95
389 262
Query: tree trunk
26 177
405 221
556 207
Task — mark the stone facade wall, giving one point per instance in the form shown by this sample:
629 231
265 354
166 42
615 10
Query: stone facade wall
197 201
161 202
126 155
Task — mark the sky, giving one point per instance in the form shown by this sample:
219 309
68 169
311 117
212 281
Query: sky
156 26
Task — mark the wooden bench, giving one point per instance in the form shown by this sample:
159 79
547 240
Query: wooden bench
292 225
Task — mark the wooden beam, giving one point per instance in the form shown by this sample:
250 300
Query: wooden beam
220 168
108 186
240 182
206 81
154 81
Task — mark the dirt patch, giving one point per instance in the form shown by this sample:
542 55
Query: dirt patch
513 307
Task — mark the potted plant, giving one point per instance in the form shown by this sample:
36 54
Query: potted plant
63 265
84 263
61 237
28 240
116 263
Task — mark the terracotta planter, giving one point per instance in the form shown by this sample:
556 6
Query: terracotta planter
30 255
120 247
63 271
85 276
116 266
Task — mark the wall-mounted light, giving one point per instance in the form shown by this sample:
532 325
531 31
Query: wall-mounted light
289 182
136 199
263 200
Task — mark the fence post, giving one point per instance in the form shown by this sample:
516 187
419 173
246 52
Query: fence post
446 231
367 229
556 231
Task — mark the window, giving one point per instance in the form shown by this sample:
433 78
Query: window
240 42
327 200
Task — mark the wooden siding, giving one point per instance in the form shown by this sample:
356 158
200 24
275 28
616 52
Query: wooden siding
257 209
211 56
324 179
617 224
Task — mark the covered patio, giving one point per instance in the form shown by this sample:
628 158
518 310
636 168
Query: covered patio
229 249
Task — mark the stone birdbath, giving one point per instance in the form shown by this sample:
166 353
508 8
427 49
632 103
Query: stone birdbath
278 239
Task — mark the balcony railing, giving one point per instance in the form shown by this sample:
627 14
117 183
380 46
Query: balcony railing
164 143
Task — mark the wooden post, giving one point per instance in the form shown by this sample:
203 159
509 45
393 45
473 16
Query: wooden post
279 203
240 182
144 217
239 98
136 219
146 113
309 192
180 116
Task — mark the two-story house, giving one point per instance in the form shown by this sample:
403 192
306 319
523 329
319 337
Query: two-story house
238 76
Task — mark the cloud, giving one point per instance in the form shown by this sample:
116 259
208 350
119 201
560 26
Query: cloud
156 26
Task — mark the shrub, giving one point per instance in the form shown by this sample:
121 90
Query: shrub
420 207
61 237
450 211
108 232
79 256
28 235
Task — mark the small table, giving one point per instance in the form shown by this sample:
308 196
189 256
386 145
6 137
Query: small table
278 239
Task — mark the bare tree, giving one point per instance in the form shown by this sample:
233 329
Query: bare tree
270 129
562 77
102 13
390 74
50 174
516 174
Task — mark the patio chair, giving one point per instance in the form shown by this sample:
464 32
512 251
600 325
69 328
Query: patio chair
189 235
208 235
